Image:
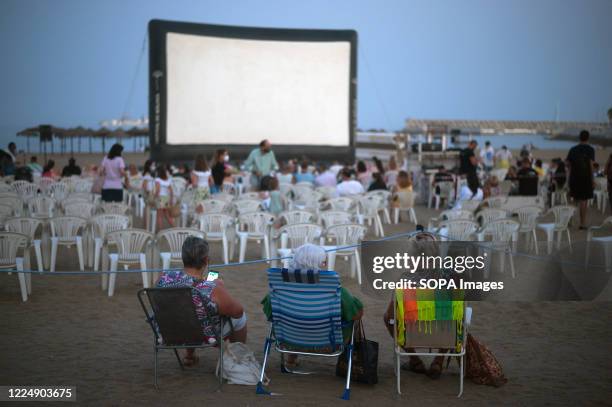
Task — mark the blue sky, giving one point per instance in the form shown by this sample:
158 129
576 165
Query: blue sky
72 62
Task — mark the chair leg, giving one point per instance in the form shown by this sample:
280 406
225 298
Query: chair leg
413 217
379 225
569 239
38 252
357 258
266 243
143 266
260 389
396 215
113 274
104 267
22 279
155 367
225 249
387 216
79 245
535 241
243 246
178 358
461 372
54 242
347 389
398 374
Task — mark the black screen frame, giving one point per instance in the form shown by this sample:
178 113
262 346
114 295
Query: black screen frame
161 151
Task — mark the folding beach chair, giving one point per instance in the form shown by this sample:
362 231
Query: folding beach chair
172 316
306 318
424 335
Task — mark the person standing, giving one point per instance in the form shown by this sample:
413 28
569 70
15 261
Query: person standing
201 179
503 157
580 160
469 162
487 156
261 162
221 171
112 169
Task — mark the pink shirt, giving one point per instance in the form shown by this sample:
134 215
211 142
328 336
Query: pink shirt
112 173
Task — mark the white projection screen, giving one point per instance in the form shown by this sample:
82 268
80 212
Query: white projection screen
219 86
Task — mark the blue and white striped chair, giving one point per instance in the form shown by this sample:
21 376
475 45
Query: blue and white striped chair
306 318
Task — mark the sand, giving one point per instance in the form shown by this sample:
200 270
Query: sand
71 333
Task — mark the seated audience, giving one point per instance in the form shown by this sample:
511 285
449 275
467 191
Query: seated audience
285 176
211 298
402 191
313 257
304 175
471 191
391 173
378 183
527 179
35 166
492 187
349 186
326 177
71 169
539 169
48 171
363 175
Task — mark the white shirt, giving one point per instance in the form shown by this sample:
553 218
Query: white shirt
164 186
465 194
503 155
487 155
150 182
326 179
350 187
202 178
335 169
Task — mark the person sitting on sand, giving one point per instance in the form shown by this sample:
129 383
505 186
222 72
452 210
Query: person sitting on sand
211 298
313 257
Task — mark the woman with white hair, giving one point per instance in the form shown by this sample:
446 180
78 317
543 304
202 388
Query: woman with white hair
313 257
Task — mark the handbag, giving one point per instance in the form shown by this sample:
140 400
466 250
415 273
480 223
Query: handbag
481 366
364 368
239 365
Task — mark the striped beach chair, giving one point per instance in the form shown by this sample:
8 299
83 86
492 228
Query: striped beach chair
306 318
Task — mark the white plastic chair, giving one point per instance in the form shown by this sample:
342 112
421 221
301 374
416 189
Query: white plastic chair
65 231
501 232
213 206
44 185
254 226
528 219
446 191
179 184
14 201
300 234
4 187
224 196
229 188
450 214
59 191
6 211
173 239
327 192
600 193
369 207
82 185
347 239
246 205
114 208
462 230
494 202
219 227
131 247
490 214
342 204
25 190
83 209
41 207
101 226
385 201
410 209
294 217
563 215
333 218
603 240
28 227
247 195
10 243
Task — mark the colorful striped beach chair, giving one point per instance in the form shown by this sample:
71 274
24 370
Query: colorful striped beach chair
425 320
306 318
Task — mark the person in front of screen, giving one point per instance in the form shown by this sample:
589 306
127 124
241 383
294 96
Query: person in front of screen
349 186
261 162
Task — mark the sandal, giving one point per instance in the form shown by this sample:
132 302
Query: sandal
415 365
190 360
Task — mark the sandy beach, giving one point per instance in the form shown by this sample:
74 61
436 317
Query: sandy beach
69 332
